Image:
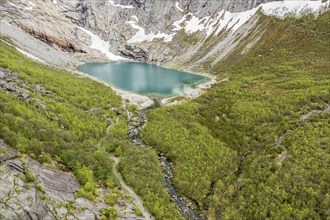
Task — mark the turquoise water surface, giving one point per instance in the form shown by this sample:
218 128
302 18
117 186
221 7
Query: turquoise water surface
143 78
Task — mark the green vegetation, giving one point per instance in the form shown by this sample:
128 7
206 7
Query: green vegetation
67 131
109 213
140 169
223 143
85 177
138 210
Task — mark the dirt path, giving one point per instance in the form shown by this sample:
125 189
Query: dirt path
303 119
137 199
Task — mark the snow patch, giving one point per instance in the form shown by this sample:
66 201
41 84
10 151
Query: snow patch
29 55
135 18
178 7
101 45
223 19
54 2
120 6
177 24
194 24
233 21
140 35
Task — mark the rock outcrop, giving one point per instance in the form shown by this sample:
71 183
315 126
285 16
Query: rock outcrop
8 82
133 53
43 22
29 190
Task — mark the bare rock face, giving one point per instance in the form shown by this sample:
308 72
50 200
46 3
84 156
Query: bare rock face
133 52
18 202
40 20
61 186
46 196
57 22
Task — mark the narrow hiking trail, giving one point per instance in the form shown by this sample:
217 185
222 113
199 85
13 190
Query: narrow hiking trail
145 214
137 199
303 119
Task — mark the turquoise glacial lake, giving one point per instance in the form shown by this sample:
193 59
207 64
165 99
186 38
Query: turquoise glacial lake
142 78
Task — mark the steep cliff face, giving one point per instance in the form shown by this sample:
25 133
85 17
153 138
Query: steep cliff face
137 29
150 26
194 34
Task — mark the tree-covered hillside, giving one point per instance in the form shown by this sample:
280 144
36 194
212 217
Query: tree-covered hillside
52 114
226 144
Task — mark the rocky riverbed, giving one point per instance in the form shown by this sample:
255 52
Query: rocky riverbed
186 206
136 122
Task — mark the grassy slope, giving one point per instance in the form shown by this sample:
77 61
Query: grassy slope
224 141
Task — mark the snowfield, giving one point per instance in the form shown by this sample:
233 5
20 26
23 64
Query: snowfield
141 36
101 45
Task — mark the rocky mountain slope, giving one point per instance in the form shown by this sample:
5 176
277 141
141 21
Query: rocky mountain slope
192 32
